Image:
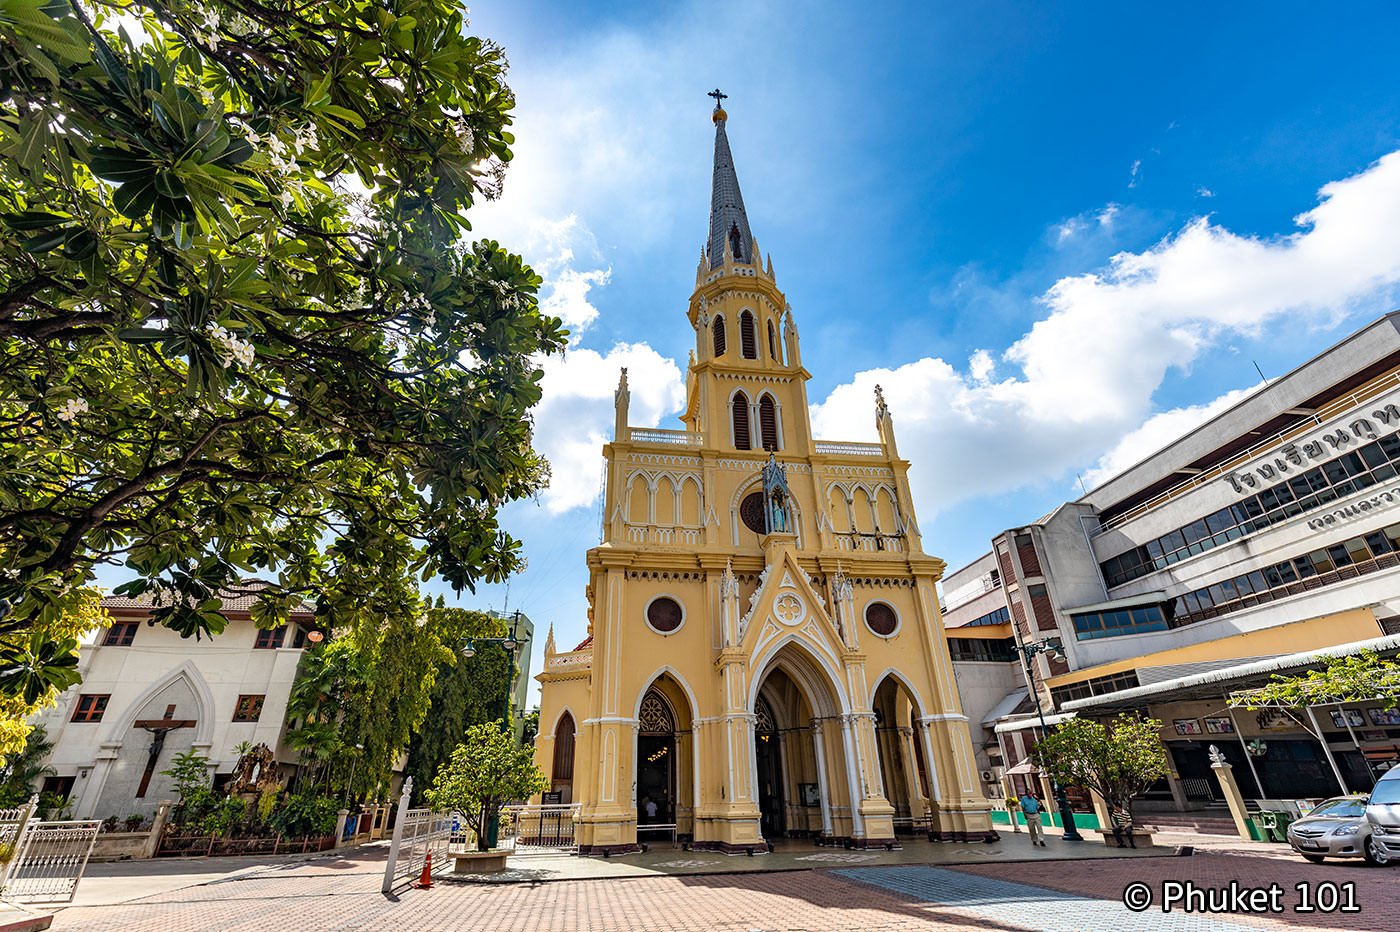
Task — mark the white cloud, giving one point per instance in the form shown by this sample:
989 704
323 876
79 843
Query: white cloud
1158 431
1135 173
1203 191
1089 369
981 365
575 417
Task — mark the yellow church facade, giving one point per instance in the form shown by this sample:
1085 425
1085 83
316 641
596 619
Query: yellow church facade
766 656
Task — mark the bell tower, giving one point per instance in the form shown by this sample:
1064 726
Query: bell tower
745 388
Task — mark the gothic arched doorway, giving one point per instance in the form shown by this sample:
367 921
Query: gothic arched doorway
768 752
656 762
801 772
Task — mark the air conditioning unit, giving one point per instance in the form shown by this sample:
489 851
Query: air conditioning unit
988 776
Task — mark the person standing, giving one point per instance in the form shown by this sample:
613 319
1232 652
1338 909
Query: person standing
1031 807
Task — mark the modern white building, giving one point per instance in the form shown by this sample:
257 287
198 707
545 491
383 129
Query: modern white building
1271 529
148 694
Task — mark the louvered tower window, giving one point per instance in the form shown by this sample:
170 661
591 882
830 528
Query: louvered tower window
719 336
768 422
748 340
740 407
773 343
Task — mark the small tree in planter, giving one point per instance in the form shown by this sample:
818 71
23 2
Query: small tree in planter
485 772
1118 760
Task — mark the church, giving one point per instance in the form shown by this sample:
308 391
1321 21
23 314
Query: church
765 655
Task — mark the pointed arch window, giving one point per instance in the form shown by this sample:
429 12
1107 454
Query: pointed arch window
564 748
748 339
743 439
768 422
719 336
773 353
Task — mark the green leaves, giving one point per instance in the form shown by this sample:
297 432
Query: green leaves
29 670
1118 759
486 771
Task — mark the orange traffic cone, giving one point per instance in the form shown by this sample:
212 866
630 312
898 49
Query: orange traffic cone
425 881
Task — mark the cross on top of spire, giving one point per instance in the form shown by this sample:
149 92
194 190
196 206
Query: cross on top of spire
719 96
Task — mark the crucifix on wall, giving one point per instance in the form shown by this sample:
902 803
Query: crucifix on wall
159 728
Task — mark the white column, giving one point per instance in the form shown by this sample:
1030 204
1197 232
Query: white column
857 793
930 761
819 746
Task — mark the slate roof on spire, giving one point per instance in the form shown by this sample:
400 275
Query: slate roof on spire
727 215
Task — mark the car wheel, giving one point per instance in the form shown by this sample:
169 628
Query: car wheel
1377 855
1315 858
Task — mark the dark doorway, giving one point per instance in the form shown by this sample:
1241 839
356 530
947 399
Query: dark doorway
768 752
656 763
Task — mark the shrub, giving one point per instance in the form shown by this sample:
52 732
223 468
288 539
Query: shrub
305 815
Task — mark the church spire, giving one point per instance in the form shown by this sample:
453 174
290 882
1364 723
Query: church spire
729 225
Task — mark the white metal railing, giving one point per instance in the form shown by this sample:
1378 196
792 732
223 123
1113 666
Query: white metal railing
1314 420
679 438
49 860
844 448
417 833
539 829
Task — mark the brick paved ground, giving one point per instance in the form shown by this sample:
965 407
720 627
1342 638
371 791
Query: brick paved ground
343 894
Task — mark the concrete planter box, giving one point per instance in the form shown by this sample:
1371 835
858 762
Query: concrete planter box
478 862
121 846
1142 837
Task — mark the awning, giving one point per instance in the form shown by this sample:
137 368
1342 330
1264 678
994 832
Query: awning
1025 767
1033 721
1005 707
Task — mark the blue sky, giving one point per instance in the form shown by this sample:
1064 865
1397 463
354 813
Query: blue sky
1058 234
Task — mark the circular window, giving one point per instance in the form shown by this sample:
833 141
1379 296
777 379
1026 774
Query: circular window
665 614
881 619
751 511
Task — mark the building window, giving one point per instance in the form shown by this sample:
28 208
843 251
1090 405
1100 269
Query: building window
748 340
90 707
773 343
985 650
121 634
1097 686
270 638
1359 556
665 615
881 619
1360 469
248 709
1023 541
1035 591
1109 623
768 422
998 616
751 513
719 337
563 749
743 439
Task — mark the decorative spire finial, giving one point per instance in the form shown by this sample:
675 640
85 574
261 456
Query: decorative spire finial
882 410
719 97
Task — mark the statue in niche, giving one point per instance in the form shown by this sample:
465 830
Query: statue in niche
777 497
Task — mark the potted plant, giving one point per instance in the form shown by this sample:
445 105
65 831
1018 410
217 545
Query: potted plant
485 772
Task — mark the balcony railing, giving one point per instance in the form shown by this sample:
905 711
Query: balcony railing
842 448
675 438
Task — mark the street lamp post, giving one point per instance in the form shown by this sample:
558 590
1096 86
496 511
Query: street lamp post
1053 648
510 642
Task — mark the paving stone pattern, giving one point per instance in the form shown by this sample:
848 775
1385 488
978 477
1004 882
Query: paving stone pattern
343 894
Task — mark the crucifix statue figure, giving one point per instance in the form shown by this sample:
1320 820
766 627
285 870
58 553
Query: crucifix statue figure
719 97
158 728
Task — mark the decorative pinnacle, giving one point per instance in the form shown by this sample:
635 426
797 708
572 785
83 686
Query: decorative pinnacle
719 114
881 409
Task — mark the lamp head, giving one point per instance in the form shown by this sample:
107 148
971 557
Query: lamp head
469 651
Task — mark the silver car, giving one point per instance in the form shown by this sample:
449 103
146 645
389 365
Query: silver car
1337 829
1384 813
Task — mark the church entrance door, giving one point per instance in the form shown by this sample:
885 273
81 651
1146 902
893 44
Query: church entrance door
768 750
656 763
